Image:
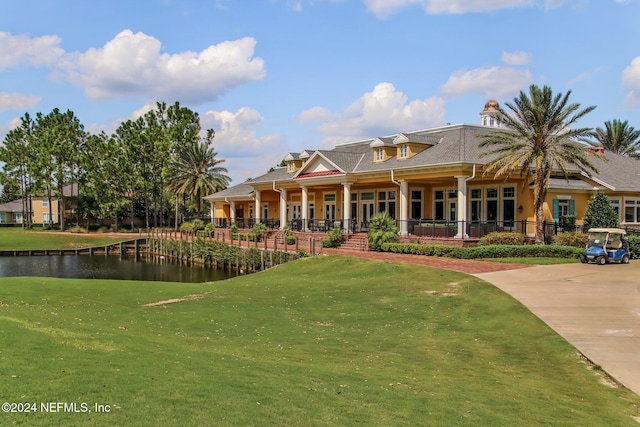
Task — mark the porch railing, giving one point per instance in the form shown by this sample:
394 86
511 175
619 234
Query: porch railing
415 227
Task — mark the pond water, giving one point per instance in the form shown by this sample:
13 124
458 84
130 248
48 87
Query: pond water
108 267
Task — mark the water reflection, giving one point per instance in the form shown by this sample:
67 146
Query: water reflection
107 267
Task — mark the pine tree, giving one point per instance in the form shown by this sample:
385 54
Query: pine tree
600 213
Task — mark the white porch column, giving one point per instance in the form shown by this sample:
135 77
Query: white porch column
404 207
462 207
305 208
283 208
232 212
257 212
346 207
212 212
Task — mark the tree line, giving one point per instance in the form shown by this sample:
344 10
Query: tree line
155 167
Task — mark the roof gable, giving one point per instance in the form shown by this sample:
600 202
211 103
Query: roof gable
317 164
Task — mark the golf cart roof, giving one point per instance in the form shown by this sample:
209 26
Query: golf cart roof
608 230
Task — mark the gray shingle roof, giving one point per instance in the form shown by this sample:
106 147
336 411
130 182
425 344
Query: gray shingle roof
278 175
620 172
456 144
13 206
240 190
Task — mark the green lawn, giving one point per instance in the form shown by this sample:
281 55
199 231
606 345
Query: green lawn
319 341
16 238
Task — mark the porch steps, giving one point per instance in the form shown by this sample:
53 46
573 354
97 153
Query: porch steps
355 242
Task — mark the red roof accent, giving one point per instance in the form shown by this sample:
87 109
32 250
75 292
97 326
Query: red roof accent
315 174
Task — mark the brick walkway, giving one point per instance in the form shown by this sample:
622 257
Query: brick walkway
462 265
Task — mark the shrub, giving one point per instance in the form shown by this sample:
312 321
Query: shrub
186 226
210 228
198 224
291 240
577 239
333 239
258 230
600 212
569 222
634 246
233 230
78 229
382 229
502 238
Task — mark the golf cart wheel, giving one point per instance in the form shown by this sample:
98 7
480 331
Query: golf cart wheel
624 259
601 260
583 259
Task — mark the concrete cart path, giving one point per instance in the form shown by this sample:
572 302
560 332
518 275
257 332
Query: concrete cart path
596 308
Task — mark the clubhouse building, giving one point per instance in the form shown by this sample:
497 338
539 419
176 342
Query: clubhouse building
432 181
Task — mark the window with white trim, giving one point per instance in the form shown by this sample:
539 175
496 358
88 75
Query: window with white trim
508 206
492 204
387 202
45 217
416 204
379 154
631 210
403 151
45 202
476 204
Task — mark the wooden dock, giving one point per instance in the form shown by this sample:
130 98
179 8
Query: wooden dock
129 247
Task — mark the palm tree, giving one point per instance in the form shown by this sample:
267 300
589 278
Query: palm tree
618 137
538 140
195 172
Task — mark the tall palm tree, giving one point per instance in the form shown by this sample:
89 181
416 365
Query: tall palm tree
195 172
618 137
538 140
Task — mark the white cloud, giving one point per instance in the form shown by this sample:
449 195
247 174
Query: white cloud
316 114
383 8
466 6
16 101
22 50
385 110
133 64
489 82
516 58
631 83
246 153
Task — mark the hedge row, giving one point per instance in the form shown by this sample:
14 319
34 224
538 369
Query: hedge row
418 249
490 251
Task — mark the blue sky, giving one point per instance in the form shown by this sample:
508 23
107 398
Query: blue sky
275 76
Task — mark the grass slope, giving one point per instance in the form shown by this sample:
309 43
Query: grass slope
320 341
18 239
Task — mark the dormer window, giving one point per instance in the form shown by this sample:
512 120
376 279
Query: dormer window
403 151
379 154
291 166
